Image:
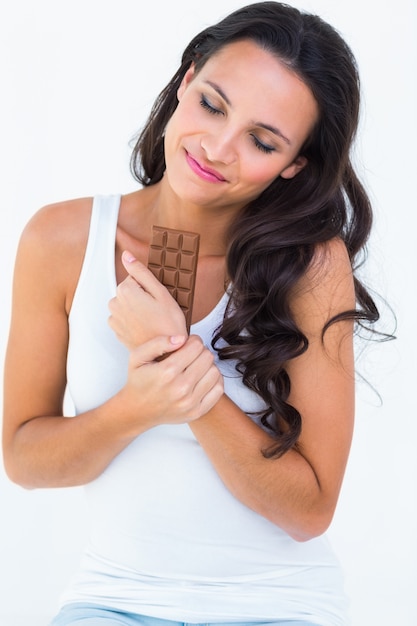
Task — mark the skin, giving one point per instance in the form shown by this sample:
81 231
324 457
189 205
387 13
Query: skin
214 167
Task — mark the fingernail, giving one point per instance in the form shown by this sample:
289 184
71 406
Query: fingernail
128 257
177 339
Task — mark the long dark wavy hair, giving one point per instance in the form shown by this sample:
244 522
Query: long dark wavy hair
272 242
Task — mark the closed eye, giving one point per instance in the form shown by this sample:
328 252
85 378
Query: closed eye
208 107
263 147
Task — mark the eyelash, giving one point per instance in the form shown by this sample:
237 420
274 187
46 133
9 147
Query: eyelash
207 106
213 111
261 146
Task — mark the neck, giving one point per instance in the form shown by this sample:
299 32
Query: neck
165 209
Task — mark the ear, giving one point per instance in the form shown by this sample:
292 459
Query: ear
295 167
188 77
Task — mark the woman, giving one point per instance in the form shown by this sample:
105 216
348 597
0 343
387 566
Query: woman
211 474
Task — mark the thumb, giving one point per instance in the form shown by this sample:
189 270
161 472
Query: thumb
156 349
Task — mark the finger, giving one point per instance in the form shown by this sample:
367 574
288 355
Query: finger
113 305
130 287
155 348
115 319
208 384
142 275
211 398
207 377
195 361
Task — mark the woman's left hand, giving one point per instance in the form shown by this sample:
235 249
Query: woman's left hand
143 308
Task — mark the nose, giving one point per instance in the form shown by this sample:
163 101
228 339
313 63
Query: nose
220 147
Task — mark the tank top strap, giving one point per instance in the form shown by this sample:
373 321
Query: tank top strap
98 269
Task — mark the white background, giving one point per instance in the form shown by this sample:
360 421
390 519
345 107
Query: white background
77 80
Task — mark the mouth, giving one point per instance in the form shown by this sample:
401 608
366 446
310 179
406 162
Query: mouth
204 172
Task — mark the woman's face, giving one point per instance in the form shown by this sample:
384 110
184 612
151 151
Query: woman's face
240 122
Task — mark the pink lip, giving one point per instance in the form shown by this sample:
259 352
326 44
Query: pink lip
204 172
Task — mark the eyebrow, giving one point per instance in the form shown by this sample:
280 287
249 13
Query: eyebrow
272 129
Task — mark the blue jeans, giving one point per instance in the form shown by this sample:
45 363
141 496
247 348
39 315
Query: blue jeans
91 615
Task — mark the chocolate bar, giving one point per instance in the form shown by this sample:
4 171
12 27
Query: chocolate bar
173 256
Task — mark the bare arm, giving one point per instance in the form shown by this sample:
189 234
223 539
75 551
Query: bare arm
42 448
298 491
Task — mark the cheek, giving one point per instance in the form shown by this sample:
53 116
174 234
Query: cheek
177 127
261 174
172 137
184 115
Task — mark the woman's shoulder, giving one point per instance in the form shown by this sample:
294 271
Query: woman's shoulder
52 247
62 224
330 262
326 289
331 253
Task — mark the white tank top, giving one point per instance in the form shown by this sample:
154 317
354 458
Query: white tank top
167 538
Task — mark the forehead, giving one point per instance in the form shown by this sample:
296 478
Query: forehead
247 59
242 48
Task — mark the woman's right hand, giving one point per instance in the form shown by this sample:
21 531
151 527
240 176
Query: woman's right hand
175 390
143 308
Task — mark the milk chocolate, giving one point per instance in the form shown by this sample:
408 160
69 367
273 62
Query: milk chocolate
173 256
